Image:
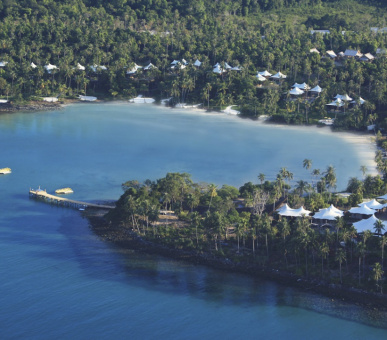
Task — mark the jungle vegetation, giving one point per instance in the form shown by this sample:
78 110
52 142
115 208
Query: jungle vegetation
241 224
253 34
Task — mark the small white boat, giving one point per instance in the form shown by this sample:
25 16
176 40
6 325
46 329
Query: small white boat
64 191
141 100
5 171
87 98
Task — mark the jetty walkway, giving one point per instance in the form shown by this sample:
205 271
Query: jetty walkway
42 194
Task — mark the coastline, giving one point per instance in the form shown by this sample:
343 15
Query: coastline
126 240
365 147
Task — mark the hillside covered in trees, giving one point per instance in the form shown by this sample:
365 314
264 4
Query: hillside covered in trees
251 35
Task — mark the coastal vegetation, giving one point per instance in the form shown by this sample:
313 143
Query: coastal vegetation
108 39
241 226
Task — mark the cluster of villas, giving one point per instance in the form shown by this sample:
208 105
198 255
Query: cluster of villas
363 217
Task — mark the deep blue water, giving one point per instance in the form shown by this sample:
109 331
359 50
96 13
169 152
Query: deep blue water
59 281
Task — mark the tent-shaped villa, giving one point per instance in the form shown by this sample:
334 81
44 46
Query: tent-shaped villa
329 214
360 100
134 69
303 86
80 67
33 65
343 97
337 103
197 63
95 67
50 67
289 212
265 73
361 211
374 204
217 69
316 90
150 66
260 77
296 91
367 224
279 75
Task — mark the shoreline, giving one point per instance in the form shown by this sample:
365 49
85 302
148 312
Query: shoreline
125 240
363 144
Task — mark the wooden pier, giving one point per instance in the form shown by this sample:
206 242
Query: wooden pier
42 194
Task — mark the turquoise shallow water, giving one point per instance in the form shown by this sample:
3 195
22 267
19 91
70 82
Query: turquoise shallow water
58 280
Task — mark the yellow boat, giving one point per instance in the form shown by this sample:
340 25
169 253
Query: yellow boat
4 171
64 191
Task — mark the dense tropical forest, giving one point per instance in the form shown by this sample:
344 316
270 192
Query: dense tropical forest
242 225
250 35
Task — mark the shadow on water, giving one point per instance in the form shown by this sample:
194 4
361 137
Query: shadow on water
72 240
105 261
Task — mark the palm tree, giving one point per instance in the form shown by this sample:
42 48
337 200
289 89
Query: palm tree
303 186
196 221
330 177
363 169
378 274
324 251
316 173
340 257
212 191
360 249
261 178
379 227
307 163
208 88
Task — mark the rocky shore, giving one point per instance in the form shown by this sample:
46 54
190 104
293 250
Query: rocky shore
125 239
31 106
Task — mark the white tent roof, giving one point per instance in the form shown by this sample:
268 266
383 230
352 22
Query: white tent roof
384 197
316 89
287 211
338 102
283 208
216 65
184 61
197 63
343 97
301 211
314 50
175 62
296 91
328 214
134 69
265 74
149 67
237 68
363 210
297 85
367 224
331 54
227 66
303 86
374 204
279 75
361 100
260 77
96 67
49 67
33 65
80 67
3 63
218 70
